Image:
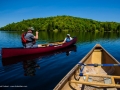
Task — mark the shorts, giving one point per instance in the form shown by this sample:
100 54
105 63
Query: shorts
33 46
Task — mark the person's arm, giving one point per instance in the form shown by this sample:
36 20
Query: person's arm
36 36
64 40
71 38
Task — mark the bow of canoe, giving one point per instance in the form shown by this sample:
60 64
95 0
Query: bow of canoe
98 70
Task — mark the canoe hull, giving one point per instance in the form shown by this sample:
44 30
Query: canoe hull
13 60
12 52
73 80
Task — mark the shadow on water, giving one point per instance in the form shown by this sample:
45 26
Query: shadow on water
29 63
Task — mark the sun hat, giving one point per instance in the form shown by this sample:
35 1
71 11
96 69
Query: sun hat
30 28
68 35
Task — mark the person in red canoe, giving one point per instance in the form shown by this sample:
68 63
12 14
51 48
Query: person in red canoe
67 39
28 39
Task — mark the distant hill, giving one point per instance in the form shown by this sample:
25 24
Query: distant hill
64 22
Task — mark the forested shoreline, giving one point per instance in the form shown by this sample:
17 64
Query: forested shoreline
61 23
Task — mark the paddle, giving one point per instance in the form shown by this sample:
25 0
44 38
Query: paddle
52 44
95 65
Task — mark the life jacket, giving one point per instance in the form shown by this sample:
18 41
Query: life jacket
24 41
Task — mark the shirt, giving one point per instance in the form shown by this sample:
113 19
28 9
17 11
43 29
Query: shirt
29 37
68 39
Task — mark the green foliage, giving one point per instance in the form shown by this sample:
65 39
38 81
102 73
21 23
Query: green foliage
62 23
96 30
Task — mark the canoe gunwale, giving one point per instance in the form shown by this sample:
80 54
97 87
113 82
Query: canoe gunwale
65 78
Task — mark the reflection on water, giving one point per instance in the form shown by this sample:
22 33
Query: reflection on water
30 62
30 67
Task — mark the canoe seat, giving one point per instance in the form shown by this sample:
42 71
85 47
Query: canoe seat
97 50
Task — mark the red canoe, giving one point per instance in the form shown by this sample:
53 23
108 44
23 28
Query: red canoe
12 52
14 60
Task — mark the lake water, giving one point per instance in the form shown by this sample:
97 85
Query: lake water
44 72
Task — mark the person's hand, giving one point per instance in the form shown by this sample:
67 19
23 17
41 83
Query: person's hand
36 32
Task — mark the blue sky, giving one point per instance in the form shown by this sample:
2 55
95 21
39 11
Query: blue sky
17 10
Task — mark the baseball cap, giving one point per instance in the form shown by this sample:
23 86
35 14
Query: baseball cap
30 28
68 35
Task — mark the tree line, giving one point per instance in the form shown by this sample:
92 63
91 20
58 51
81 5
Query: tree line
61 23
